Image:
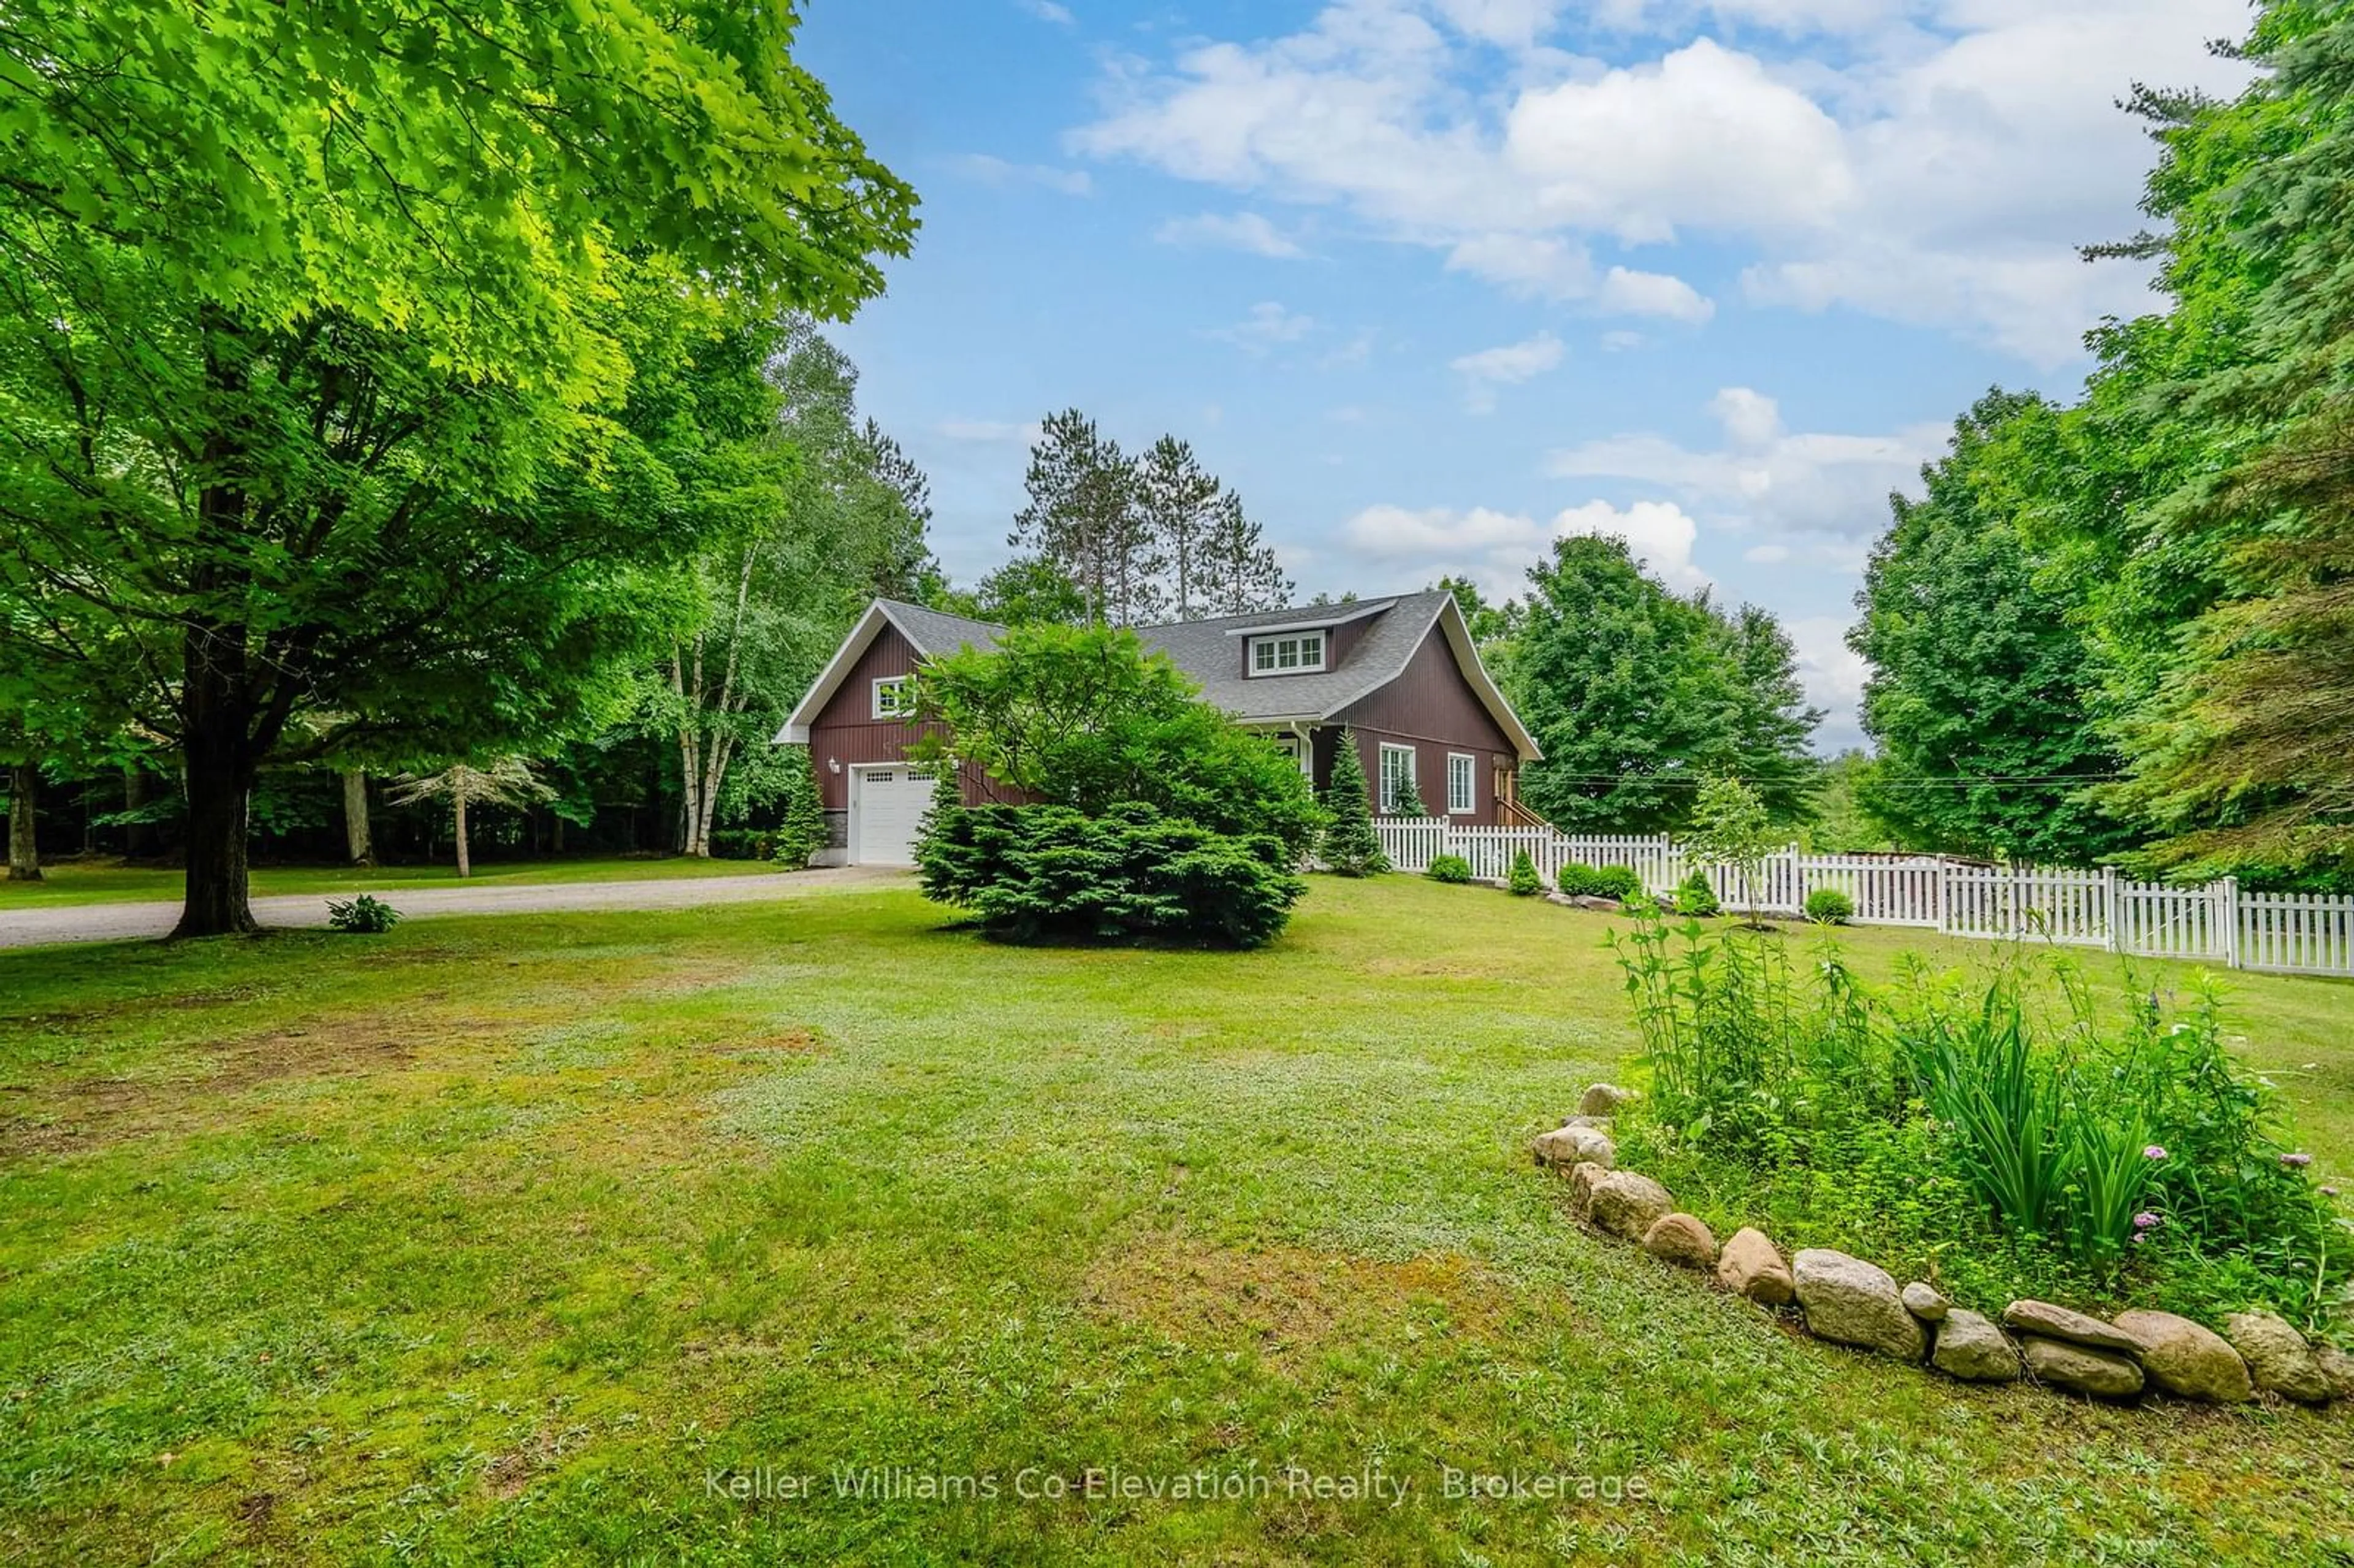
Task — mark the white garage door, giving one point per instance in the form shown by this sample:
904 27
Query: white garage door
886 804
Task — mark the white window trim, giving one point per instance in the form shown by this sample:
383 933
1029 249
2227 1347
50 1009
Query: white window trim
882 683
1470 773
1323 654
1382 772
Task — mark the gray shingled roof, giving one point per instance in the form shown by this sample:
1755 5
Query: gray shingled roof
1392 630
1387 640
934 633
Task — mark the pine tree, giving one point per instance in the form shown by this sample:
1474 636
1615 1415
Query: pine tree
1180 501
1084 516
1350 848
1239 572
803 832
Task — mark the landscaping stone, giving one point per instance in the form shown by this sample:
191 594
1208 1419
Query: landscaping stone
1602 906
2186 1359
2059 1323
1625 1203
1972 1346
1604 1099
1752 1266
1563 899
1599 1123
1582 1178
1682 1240
2279 1361
1576 1145
2064 1364
1924 1302
2338 1367
1856 1303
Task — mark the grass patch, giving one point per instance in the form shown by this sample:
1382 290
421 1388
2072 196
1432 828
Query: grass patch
71 882
495 1239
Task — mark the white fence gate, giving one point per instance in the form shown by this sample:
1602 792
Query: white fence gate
2290 932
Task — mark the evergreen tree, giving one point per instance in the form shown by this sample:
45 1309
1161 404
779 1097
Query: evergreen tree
1083 517
1351 846
1239 571
1180 502
801 832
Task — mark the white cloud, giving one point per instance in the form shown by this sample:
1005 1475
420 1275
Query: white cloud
1507 365
1767 555
992 171
1048 11
1833 675
1247 231
1938 163
1630 294
1835 487
1750 418
989 431
1659 532
1513 24
1705 137
1495 549
1267 325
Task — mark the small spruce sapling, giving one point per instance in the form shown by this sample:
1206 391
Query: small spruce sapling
1350 847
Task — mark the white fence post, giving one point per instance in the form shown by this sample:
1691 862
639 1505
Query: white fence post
2231 921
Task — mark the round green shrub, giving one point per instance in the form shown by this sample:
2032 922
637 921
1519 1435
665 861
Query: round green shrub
1829 907
1448 868
1619 882
1693 896
1523 879
1578 879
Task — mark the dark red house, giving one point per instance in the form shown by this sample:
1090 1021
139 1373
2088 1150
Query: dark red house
1400 673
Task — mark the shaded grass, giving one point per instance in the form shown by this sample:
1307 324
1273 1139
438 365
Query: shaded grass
494 1239
71 882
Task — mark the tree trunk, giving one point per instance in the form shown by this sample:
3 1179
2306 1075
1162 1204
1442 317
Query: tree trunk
24 799
138 838
465 867
221 784
556 835
360 849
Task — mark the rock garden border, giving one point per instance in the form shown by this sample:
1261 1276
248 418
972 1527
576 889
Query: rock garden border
1851 1301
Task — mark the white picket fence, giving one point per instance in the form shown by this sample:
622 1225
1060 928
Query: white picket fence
2289 932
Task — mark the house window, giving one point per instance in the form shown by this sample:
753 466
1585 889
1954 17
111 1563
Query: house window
1397 775
890 697
1293 653
1459 795
1292 749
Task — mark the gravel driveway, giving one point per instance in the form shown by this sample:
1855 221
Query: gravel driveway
117 922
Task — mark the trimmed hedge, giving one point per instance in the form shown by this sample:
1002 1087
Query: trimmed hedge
1448 868
1037 873
1523 879
1580 880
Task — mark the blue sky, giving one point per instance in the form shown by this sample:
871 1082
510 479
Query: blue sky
1433 282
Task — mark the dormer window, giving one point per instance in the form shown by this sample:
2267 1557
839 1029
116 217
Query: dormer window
1292 653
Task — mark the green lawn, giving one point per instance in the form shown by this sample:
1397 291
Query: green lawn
517 1239
105 882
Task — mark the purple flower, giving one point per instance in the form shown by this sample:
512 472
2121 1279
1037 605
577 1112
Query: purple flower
2144 1220
2155 1151
2297 1161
